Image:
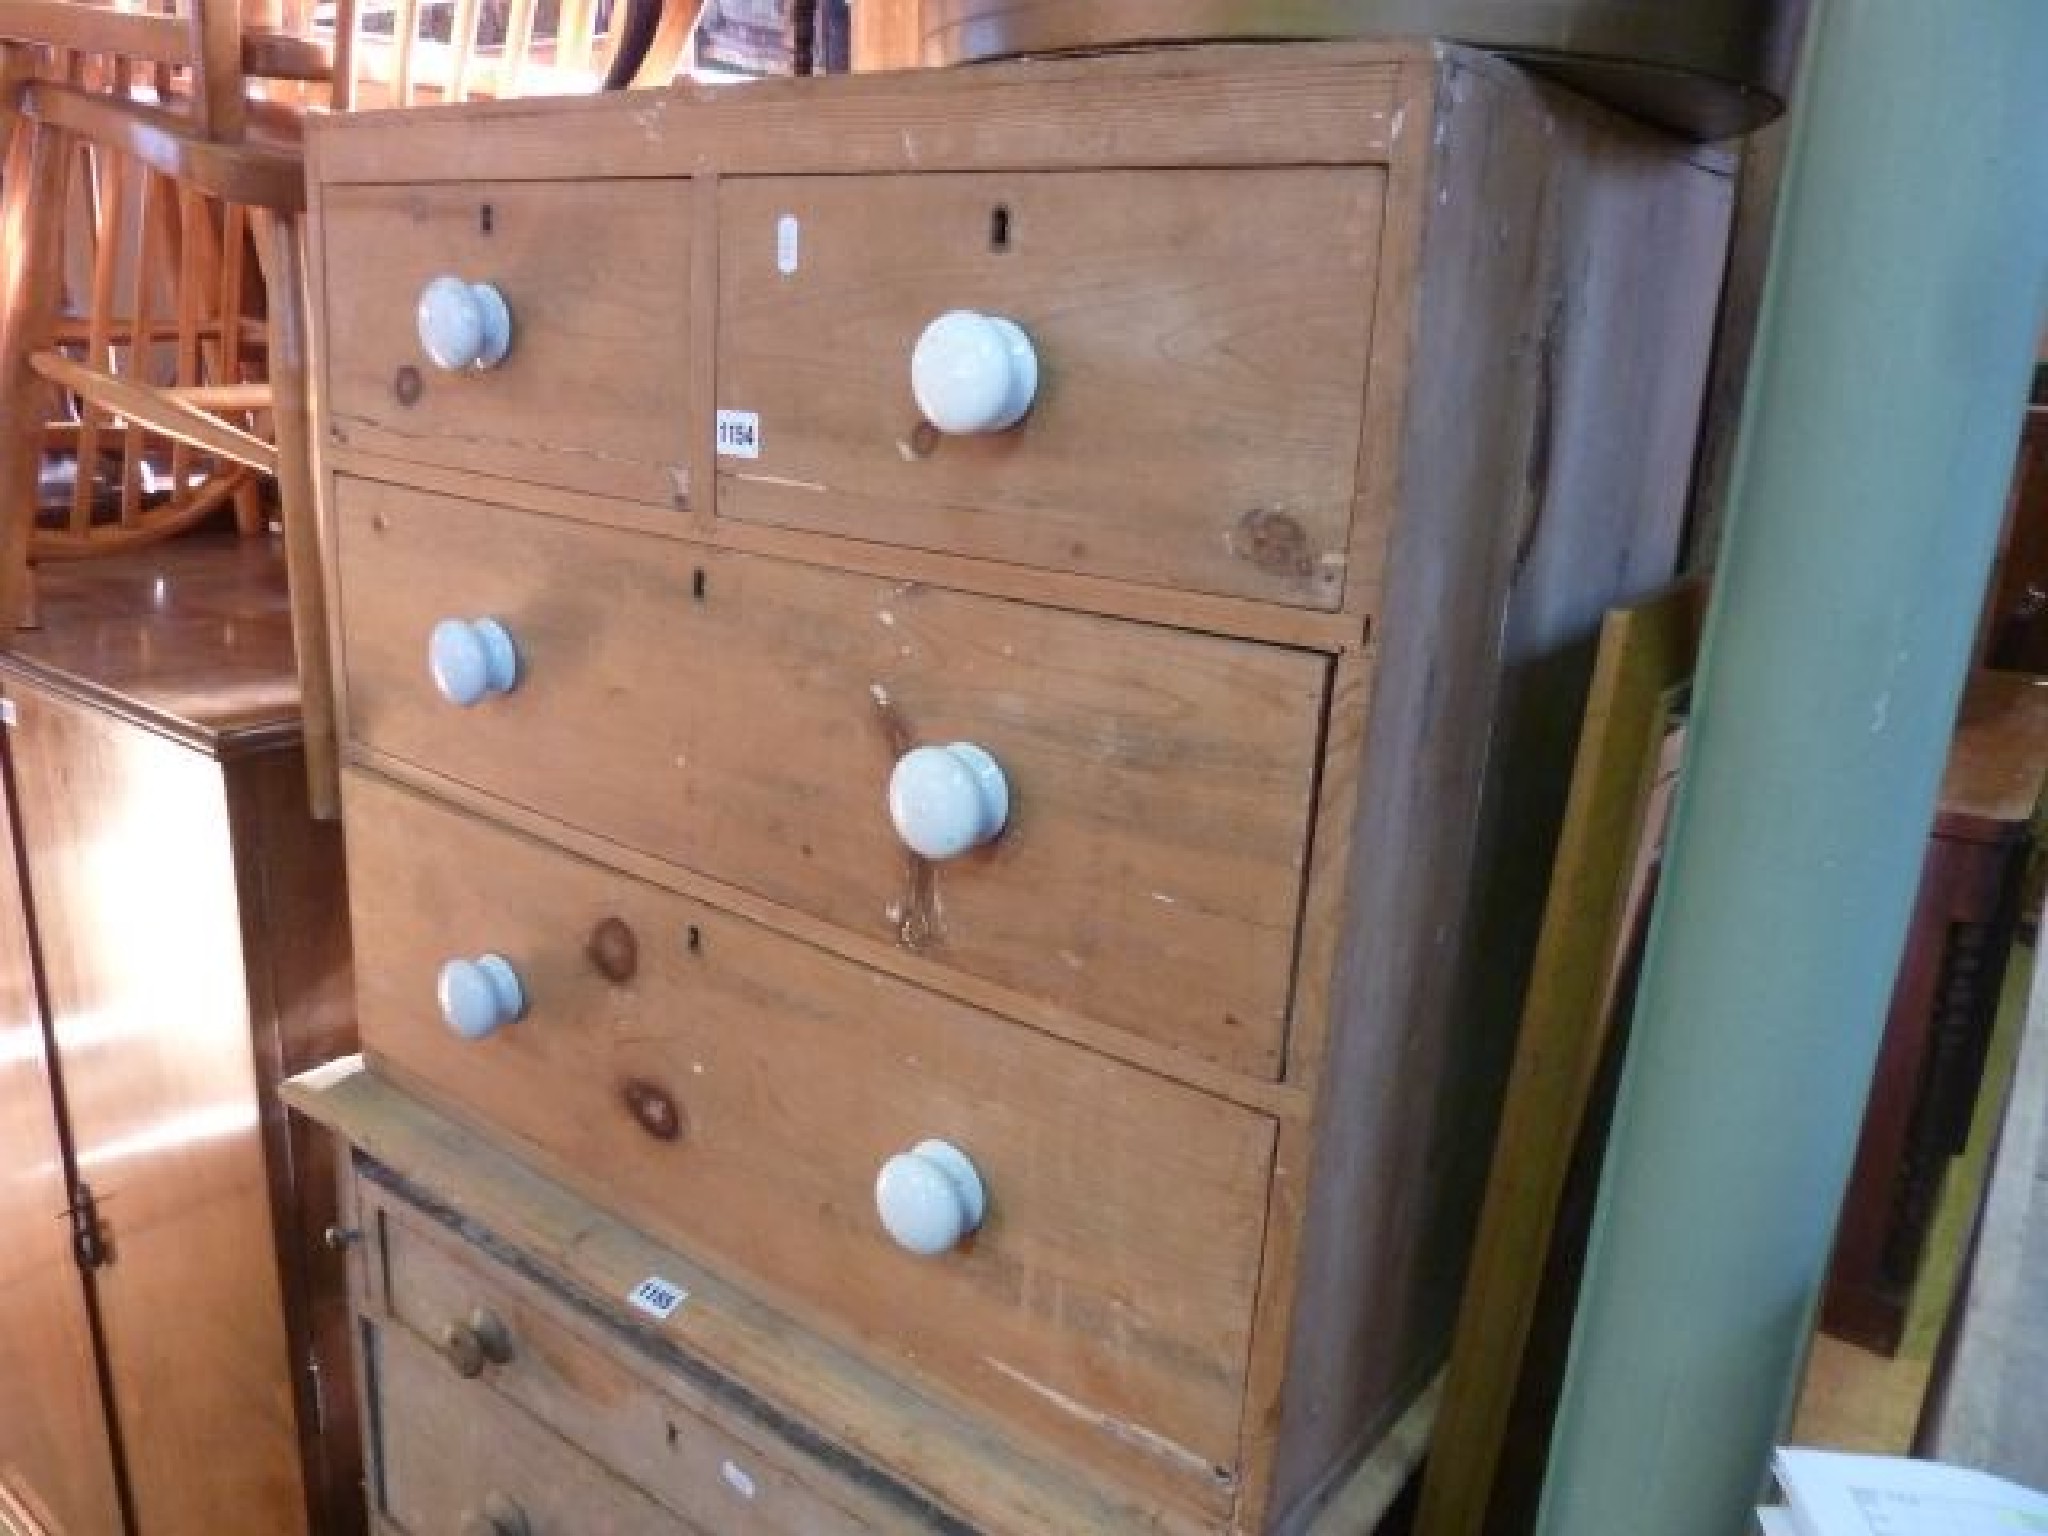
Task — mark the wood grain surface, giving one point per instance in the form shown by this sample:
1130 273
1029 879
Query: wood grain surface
1329 105
461 1460
146 988
1646 657
1564 266
1104 1306
1201 372
572 1377
1300 858
191 639
1991 787
1151 871
56 1458
726 1337
596 275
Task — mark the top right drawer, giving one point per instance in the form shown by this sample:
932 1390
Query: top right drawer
1199 339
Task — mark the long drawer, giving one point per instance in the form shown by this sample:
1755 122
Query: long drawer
737 1093
505 1342
454 1460
744 716
1199 364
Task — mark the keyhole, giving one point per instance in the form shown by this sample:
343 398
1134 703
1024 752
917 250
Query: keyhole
486 216
999 228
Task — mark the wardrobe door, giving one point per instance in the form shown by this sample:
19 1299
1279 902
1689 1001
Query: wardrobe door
56 1464
133 873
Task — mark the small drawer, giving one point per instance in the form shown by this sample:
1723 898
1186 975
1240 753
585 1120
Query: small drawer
501 1334
746 717
452 1460
1199 341
737 1094
595 279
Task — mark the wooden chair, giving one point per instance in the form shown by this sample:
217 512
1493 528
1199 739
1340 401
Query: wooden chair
147 348
154 160
140 124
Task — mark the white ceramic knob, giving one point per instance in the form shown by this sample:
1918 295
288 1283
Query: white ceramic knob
463 325
973 372
477 996
930 1197
472 659
946 800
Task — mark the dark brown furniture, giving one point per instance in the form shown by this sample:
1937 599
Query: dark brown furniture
173 941
1942 1005
2016 623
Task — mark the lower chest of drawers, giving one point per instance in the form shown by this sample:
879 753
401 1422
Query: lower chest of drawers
501 1405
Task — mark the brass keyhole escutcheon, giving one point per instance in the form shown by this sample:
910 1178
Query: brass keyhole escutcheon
407 384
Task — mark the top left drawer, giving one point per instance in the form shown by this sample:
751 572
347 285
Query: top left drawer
589 396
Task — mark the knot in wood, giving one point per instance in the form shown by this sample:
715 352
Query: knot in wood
614 950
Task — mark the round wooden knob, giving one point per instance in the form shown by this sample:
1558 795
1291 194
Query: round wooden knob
479 1340
499 1516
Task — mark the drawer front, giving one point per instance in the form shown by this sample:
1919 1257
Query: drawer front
454 1459
527 1347
1200 336
743 716
736 1093
596 278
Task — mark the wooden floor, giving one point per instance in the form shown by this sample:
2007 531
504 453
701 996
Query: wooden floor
1855 1400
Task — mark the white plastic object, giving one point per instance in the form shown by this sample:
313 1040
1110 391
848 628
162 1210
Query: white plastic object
479 996
930 1197
463 325
946 800
471 660
973 372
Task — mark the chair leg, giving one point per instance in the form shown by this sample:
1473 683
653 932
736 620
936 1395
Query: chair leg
31 261
249 508
299 502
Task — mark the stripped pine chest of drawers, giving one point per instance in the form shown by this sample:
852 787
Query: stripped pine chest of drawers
957 688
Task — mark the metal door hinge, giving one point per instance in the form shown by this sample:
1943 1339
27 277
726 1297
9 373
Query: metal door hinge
89 1244
319 1386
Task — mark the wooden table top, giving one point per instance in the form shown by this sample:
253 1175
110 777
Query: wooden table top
191 638
2000 756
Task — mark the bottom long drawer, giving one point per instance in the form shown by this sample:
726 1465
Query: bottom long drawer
493 1401
453 1460
735 1092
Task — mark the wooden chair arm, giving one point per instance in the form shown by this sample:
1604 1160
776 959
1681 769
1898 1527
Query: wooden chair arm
254 175
287 56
